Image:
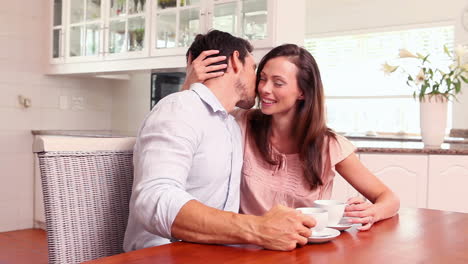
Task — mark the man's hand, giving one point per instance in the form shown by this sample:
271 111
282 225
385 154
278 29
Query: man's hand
198 70
282 228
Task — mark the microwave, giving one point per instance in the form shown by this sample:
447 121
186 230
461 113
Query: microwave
165 82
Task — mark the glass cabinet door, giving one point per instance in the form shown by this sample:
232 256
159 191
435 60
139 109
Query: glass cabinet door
57 30
177 23
189 26
85 28
255 19
166 30
127 26
225 17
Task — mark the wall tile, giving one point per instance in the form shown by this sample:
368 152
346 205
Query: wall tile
24 36
16 214
17 176
15 142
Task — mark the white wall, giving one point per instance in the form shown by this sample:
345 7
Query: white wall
370 15
131 102
23 39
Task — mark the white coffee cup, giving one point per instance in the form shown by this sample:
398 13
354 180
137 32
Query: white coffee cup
335 210
320 215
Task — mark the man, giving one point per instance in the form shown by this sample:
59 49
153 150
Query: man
188 159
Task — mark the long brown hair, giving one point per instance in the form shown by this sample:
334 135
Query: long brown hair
310 131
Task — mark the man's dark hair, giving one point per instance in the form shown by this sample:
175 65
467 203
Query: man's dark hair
222 41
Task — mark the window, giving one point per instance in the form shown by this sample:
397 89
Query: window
359 97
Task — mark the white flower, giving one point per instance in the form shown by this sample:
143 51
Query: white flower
404 53
420 77
461 51
387 68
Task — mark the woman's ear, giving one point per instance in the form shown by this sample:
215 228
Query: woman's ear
301 96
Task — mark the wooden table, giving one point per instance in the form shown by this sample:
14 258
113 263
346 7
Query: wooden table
413 236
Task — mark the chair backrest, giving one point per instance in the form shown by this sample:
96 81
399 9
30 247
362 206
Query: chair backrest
86 202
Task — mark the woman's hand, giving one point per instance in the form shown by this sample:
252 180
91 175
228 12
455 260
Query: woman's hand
198 70
364 212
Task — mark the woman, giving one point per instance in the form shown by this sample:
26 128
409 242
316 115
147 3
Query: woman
290 155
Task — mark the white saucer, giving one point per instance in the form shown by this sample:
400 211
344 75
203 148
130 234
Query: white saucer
325 235
342 225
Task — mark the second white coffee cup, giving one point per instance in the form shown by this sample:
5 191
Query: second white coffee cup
320 215
335 210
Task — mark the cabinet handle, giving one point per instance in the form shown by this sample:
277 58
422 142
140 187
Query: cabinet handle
202 13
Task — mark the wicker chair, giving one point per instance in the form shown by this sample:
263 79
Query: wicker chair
86 197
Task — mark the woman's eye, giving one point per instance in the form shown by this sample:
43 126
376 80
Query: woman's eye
279 84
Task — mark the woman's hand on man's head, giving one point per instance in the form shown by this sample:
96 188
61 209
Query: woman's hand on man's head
199 69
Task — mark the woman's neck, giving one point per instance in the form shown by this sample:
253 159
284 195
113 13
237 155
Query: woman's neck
281 127
282 137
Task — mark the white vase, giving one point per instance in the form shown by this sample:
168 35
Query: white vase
433 120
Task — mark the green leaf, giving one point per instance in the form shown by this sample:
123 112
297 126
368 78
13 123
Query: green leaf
457 87
464 78
446 50
448 82
425 58
424 87
410 78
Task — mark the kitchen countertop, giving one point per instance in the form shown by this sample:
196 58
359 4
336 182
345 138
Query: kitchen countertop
364 144
408 147
82 133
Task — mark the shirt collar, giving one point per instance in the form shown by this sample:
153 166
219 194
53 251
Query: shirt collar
208 97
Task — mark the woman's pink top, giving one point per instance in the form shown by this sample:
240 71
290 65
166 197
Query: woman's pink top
264 185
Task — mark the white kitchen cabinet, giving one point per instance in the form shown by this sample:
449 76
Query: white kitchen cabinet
97 30
448 182
84 25
406 175
57 51
126 24
176 23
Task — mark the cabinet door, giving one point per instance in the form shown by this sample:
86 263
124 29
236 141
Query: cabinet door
126 29
175 25
406 175
248 19
256 21
57 52
448 182
84 30
225 16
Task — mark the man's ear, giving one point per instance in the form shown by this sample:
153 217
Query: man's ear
235 61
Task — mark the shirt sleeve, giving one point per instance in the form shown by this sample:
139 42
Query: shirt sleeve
165 149
340 149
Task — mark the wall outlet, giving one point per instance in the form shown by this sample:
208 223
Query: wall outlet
77 103
64 103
